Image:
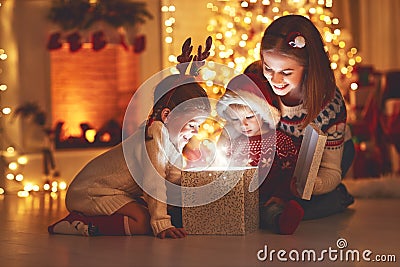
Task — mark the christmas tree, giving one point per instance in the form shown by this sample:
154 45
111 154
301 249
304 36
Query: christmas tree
237 28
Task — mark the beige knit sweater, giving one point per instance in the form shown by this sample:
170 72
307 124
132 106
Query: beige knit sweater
106 183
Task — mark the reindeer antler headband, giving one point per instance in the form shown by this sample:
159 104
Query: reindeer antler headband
198 60
184 60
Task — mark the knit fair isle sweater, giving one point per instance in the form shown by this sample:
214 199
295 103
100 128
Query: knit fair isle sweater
106 183
275 155
332 121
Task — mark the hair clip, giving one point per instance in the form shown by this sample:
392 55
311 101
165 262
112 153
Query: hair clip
296 40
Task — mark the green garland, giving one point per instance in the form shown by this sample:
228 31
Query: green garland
81 14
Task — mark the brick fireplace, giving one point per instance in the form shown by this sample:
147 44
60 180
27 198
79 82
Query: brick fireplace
91 89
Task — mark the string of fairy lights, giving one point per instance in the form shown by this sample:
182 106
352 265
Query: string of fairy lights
167 14
12 159
4 111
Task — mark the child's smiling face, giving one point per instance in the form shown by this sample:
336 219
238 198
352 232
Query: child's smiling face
182 127
245 120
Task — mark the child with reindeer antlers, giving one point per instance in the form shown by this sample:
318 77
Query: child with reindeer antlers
123 191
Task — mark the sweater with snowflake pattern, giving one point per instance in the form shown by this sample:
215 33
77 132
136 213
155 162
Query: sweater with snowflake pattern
275 155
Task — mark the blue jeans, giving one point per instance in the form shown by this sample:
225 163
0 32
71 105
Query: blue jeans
320 206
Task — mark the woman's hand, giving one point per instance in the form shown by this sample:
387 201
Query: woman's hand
172 233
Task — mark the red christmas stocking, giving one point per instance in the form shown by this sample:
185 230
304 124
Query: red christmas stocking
98 40
54 41
74 40
139 44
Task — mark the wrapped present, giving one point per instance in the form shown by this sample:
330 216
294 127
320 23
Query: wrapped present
230 208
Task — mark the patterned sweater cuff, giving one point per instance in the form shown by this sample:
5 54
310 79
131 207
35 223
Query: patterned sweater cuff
161 225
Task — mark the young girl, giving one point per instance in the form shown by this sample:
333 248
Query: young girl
297 68
105 198
250 139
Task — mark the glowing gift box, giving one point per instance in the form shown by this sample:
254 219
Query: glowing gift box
230 209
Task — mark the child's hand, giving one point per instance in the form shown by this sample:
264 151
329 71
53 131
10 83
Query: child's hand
172 233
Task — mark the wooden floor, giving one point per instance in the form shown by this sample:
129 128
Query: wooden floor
370 224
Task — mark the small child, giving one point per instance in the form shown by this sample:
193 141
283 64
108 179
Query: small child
250 138
124 191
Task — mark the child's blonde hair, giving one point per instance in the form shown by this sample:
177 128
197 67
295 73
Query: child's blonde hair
249 91
241 108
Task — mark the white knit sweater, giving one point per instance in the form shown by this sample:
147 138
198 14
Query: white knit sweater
106 183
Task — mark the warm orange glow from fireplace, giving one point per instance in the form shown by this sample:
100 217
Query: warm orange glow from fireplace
91 87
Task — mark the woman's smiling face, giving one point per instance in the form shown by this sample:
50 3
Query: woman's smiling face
284 74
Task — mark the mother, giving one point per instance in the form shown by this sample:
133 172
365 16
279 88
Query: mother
297 69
